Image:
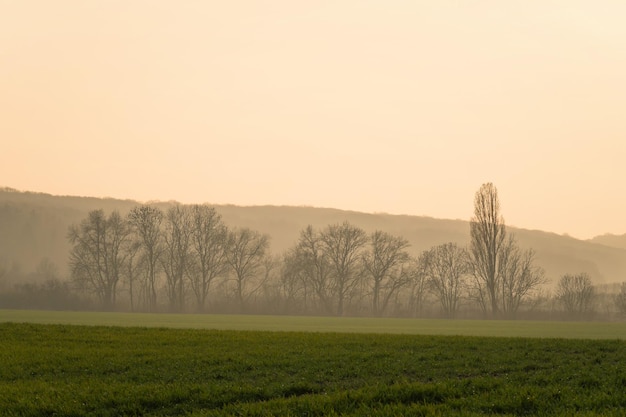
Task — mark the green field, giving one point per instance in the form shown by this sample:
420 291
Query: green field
495 328
142 370
107 371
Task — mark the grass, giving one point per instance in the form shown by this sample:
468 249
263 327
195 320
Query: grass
487 328
70 370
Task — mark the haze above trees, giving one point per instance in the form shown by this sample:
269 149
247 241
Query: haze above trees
391 251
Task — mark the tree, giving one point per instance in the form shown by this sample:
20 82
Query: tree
519 277
418 284
293 282
487 238
176 257
209 239
383 264
446 268
47 270
269 288
146 223
246 251
503 275
97 258
132 268
620 300
3 273
310 261
342 245
576 294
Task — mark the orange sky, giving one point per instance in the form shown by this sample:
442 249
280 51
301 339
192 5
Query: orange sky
393 106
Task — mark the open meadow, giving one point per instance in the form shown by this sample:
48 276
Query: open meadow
495 328
140 365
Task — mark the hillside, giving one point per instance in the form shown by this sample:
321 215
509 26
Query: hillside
33 226
615 241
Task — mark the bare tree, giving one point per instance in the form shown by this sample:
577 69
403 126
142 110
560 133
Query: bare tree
47 270
446 268
209 239
146 223
418 284
343 244
3 273
269 286
133 268
487 239
518 277
293 282
246 251
576 294
503 275
176 258
97 258
313 266
620 299
384 263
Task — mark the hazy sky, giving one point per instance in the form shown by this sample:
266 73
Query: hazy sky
377 106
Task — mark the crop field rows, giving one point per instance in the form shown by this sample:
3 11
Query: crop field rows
71 370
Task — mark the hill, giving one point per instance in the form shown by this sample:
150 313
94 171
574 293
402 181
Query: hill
33 227
615 241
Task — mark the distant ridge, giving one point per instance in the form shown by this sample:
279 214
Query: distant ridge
615 241
34 225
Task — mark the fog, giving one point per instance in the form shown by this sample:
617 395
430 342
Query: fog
35 267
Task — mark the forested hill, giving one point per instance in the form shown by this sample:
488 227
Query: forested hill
33 227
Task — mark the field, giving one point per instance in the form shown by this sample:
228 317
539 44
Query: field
140 369
496 328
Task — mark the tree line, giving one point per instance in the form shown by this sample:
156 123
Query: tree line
187 259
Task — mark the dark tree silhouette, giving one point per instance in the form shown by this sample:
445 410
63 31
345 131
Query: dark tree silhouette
576 294
146 224
487 239
446 267
176 259
418 285
312 263
246 251
209 239
519 277
383 263
343 244
294 283
97 257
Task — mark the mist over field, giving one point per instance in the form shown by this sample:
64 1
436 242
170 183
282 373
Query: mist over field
34 248
301 123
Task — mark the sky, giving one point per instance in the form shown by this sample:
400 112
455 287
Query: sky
399 106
